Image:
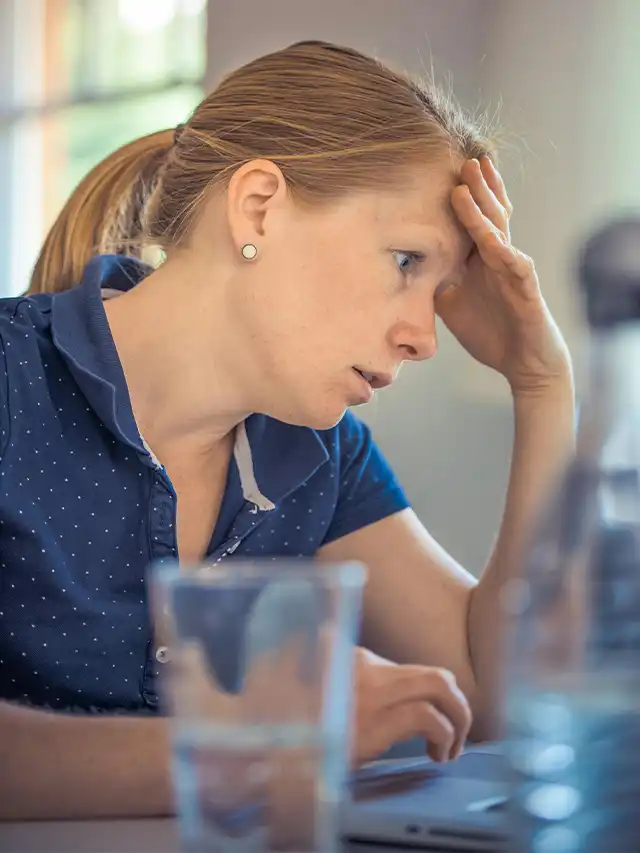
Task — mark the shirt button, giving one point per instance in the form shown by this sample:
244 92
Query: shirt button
162 654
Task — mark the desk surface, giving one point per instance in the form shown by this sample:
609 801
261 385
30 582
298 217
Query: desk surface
117 836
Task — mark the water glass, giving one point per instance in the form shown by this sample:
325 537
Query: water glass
258 687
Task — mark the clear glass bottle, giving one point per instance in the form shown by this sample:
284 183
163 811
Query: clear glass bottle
573 694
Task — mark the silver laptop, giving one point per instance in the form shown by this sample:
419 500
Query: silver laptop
413 802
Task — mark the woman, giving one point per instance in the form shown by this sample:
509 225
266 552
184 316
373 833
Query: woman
317 211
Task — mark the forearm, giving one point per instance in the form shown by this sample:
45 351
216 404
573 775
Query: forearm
543 440
56 766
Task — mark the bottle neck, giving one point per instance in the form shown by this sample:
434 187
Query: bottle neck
613 403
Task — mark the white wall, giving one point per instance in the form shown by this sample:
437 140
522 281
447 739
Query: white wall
562 70
569 76
403 31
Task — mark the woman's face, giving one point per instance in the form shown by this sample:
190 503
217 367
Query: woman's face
339 296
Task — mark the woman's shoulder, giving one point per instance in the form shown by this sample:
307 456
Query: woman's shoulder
22 317
24 339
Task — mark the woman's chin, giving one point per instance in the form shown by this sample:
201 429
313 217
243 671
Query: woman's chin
328 421
313 408
315 416
326 411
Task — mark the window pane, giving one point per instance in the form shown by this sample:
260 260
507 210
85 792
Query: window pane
79 137
100 73
119 44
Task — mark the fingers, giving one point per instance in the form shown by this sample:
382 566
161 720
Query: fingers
441 689
487 189
451 701
401 723
478 224
493 245
495 183
473 177
423 720
398 694
407 684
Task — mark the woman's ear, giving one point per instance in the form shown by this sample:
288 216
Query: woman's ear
256 189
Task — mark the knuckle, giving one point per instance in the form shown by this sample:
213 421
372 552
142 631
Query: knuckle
488 237
525 263
444 678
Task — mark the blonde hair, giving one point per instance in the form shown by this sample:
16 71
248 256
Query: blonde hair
103 213
332 119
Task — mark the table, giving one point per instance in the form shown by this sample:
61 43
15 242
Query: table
115 836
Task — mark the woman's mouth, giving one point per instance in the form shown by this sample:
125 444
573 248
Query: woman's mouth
375 379
365 380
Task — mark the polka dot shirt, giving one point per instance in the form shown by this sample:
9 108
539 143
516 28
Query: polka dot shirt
85 508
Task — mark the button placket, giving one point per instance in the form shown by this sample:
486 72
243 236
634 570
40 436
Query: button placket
246 522
163 541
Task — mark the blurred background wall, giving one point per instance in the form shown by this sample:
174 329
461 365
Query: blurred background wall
80 77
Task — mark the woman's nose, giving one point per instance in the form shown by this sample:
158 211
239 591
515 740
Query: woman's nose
417 343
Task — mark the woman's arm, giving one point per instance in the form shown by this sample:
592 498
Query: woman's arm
420 606
67 766
544 439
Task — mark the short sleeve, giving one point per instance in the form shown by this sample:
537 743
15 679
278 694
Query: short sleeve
369 490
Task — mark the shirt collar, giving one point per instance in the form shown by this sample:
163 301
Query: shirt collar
273 458
82 336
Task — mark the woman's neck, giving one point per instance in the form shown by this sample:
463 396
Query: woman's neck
180 370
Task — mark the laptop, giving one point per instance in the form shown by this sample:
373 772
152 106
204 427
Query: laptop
417 803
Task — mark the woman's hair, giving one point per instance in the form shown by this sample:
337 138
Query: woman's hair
332 119
103 213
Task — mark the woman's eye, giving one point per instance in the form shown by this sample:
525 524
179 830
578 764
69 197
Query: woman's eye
406 261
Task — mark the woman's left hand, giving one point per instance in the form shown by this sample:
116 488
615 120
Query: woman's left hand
497 312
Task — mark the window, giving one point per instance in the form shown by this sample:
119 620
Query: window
78 78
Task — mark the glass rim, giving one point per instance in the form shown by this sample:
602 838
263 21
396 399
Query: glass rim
249 573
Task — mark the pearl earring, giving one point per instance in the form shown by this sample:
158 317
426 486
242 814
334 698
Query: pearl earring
249 251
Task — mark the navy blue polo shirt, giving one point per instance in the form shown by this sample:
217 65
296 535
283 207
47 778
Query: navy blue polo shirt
85 508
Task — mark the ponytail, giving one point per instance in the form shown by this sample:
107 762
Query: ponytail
103 213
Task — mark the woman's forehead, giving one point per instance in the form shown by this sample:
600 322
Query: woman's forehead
423 205
419 196
416 208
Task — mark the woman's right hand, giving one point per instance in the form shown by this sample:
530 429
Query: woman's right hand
394 703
